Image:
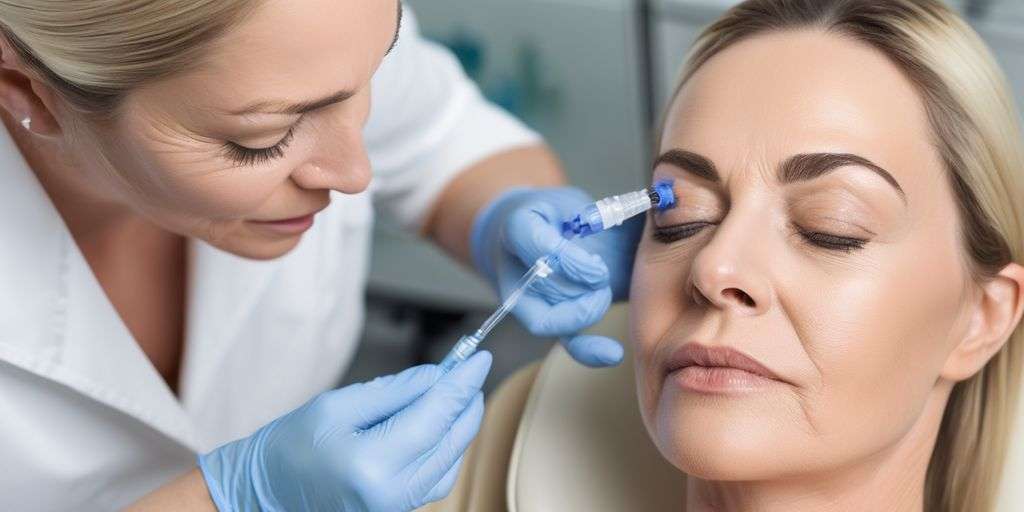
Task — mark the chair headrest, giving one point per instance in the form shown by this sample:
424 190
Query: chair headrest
1011 493
581 445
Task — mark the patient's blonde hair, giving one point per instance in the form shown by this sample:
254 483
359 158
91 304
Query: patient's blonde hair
976 132
94 52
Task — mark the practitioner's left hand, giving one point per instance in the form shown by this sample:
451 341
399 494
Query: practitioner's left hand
525 224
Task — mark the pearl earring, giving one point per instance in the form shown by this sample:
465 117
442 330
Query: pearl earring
27 123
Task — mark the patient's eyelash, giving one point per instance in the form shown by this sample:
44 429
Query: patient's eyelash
669 234
832 242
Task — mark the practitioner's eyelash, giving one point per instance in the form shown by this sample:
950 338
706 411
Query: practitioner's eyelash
247 156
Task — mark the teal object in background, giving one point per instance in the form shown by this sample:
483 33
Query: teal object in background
570 69
469 49
520 89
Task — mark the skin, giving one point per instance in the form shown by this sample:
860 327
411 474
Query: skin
867 342
135 191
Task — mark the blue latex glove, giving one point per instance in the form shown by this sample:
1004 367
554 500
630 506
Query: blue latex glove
522 225
391 444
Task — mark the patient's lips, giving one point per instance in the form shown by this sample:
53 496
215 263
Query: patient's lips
717 369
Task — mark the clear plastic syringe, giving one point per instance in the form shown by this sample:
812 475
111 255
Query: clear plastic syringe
468 344
596 217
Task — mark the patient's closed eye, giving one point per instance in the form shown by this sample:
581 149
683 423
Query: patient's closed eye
829 241
832 242
669 234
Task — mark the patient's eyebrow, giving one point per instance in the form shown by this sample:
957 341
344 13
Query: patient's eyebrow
808 166
693 163
802 167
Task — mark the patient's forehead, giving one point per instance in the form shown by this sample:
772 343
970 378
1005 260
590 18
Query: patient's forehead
778 94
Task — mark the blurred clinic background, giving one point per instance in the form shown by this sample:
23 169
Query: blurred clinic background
591 76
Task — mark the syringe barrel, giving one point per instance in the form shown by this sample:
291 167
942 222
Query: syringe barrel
615 210
460 352
612 211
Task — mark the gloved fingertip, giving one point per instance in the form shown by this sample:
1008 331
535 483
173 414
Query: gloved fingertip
609 354
473 370
484 358
594 351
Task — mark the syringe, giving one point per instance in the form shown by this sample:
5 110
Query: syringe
614 210
468 344
604 214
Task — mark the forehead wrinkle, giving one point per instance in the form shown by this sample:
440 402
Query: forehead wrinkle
754 162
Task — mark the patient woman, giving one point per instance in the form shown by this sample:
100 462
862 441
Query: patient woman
829 320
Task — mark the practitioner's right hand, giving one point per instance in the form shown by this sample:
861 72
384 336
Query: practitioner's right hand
522 225
391 444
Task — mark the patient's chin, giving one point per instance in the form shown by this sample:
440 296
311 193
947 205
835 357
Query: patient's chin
730 438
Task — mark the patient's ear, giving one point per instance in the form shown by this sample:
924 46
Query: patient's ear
995 316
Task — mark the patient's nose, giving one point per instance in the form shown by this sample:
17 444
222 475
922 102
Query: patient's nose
728 273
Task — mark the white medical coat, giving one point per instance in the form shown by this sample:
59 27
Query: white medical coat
86 422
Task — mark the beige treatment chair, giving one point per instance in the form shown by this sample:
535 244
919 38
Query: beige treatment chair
561 437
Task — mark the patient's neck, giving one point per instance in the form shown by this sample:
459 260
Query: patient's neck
891 480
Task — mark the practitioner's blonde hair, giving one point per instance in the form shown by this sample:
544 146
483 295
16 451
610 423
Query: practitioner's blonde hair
976 131
93 52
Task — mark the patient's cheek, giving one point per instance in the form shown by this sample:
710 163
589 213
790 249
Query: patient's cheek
653 312
647 316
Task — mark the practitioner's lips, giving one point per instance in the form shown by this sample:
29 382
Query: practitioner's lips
289 226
